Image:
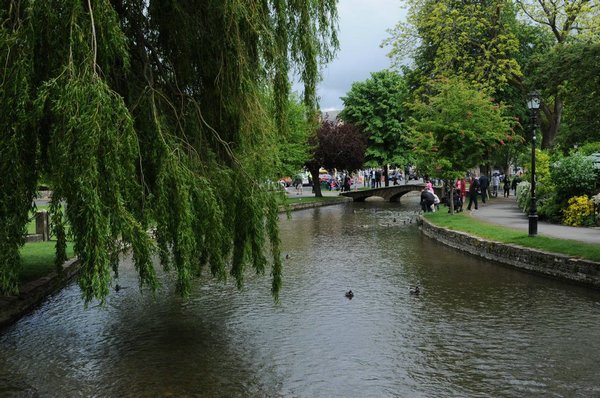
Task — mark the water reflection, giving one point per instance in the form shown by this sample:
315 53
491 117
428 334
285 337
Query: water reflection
477 329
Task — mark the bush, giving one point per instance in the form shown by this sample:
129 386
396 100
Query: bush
580 211
573 176
524 195
549 209
589 148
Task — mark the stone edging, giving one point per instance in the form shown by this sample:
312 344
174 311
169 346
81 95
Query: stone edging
559 266
312 205
34 292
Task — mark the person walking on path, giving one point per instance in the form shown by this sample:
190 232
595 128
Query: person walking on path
473 192
495 184
506 182
461 185
515 182
484 184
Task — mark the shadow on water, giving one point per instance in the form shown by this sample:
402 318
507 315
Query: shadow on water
476 329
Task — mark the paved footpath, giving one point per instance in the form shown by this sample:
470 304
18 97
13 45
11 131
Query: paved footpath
504 211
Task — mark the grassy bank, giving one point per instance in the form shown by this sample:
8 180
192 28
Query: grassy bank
465 223
38 259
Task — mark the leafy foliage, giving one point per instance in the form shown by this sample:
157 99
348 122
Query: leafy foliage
580 211
469 40
524 195
454 128
336 146
377 106
566 22
573 176
575 70
152 115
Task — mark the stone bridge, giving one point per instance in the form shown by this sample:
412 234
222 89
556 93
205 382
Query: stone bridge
392 193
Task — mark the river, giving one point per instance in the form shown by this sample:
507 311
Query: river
478 329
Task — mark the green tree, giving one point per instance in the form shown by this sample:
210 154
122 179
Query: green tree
150 114
377 106
477 42
470 40
454 128
565 21
291 149
576 69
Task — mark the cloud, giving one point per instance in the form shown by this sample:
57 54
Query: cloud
362 28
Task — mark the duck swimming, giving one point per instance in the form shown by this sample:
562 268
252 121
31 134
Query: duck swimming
415 290
349 294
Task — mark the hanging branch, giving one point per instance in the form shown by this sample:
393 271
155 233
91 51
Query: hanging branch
94 42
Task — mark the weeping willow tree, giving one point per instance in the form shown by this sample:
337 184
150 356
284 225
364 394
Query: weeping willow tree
147 115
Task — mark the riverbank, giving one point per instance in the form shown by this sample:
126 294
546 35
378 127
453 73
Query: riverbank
302 203
34 292
563 266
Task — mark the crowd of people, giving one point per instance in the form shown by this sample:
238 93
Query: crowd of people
473 187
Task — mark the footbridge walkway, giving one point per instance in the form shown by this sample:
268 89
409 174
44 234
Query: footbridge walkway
392 193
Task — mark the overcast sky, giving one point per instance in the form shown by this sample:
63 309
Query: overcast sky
362 28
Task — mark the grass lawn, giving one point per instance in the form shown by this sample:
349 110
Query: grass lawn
38 259
465 223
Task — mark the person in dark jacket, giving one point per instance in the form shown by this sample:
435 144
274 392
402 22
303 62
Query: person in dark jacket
473 192
427 200
506 184
514 184
484 183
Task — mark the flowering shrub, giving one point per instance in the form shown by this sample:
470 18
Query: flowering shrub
523 195
580 211
596 200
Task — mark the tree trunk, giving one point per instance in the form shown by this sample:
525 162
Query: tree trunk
551 128
385 176
451 204
316 182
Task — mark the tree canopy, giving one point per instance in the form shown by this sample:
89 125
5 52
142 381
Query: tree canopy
469 40
454 127
149 115
339 146
377 107
499 46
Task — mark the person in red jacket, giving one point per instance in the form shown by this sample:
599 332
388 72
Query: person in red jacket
473 192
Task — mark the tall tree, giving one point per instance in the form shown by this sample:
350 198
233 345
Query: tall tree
454 128
148 114
291 149
336 146
377 106
469 40
575 69
566 20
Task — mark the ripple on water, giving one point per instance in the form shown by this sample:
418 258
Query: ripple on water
477 329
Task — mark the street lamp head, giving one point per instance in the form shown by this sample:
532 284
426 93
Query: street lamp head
534 101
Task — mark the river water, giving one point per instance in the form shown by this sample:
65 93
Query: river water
477 329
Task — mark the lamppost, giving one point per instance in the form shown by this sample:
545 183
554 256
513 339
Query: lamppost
533 104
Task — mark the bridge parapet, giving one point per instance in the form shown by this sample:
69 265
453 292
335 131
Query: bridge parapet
391 194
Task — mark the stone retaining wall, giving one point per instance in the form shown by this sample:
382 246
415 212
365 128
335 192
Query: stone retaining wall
311 205
550 264
34 292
